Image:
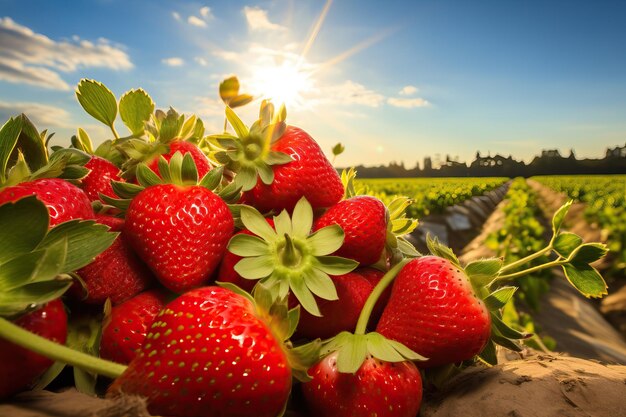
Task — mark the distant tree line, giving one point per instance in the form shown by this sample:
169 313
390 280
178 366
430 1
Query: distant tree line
551 162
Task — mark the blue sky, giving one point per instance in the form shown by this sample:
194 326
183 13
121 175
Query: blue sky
393 80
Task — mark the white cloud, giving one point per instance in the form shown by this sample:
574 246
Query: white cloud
42 115
408 103
173 62
408 90
257 19
201 61
176 16
205 12
227 55
196 21
31 58
351 92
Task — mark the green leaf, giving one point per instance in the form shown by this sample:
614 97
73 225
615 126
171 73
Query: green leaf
506 342
229 89
240 128
302 218
379 348
240 100
85 141
565 243
278 158
488 354
32 145
559 217
483 271
25 297
498 326
189 173
146 177
85 240
352 355
586 279
50 375
84 334
282 224
9 134
438 249
126 189
335 265
407 248
497 299
326 240
587 253
256 223
37 266
266 173
170 126
338 149
188 127
136 106
246 245
212 178
246 178
255 267
23 225
97 100
320 284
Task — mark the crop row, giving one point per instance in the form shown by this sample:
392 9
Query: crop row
430 195
605 197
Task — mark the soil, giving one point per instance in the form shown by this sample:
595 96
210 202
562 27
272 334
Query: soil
541 386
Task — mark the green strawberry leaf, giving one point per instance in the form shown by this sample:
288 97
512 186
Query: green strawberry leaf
587 253
50 375
84 334
229 89
240 128
320 284
565 243
32 145
9 134
171 126
85 240
304 295
37 266
338 149
488 354
438 249
327 239
255 267
335 265
351 356
379 347
25 297
586 279
256 223
500 328
482 272
83 141
240 100
97 100
23 225
136 107
247 245
498 299
559 217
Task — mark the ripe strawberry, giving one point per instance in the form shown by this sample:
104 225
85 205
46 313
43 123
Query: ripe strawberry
309 175
63 200
184 147
378 388
101 173
117 273
364 221
342 314
179 229
434 311
124 331
19 367
210 353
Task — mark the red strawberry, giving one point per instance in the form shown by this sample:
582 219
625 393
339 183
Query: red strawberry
117 273
19 367
184 147
433 310
378 388
342 314
98 181
209 353
125 330
309 175
63 200
181 232
364 222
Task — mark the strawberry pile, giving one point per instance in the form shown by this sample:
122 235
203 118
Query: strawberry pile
221 275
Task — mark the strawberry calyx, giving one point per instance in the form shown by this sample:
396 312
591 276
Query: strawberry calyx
282 322
289 257
248 154
354 348
181 170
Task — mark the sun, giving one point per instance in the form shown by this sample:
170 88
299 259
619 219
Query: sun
284 83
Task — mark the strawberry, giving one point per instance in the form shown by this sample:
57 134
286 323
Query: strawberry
98 181
63 200
20 367
125 329
180 230
117 273
378 388
210 353
276 164
364 222
342 314
434 311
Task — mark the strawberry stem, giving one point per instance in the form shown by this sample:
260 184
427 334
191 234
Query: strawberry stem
58 352
290 255
366 312
530 270
526 259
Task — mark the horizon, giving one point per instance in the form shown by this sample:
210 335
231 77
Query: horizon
408 77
